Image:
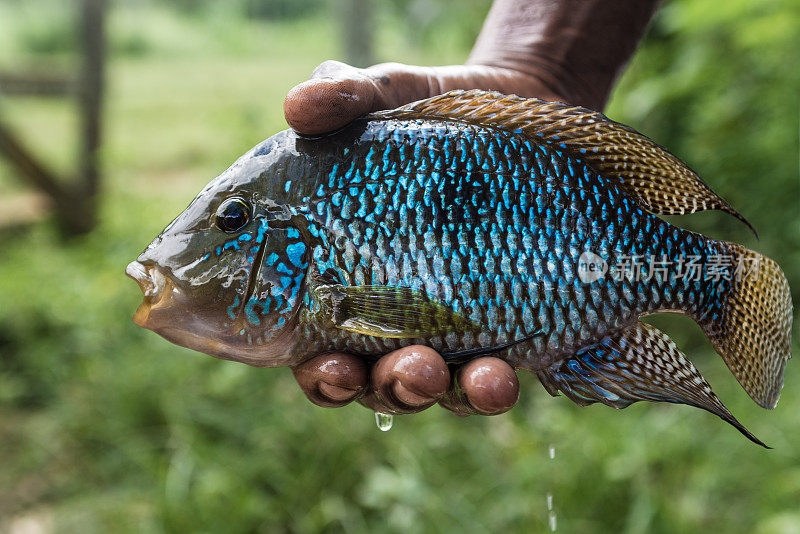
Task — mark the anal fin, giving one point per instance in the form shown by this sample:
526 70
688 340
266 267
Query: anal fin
640 363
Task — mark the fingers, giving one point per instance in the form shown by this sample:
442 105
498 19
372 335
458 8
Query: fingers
332 380
338 93
404 381
486 386
407 380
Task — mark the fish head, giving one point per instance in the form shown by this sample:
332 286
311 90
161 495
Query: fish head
226 277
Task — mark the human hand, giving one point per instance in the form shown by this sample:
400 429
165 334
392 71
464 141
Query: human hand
337 93
570 51
409 380
559 51
413 378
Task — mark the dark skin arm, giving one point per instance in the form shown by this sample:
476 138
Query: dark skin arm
566 50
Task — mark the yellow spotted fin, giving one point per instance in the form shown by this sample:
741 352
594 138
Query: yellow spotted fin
640 363
750 326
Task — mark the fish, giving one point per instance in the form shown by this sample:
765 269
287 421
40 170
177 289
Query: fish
478 224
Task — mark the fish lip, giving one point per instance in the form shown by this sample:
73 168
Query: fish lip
158 290
141 275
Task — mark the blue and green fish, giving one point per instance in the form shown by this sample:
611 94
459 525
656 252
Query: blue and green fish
477 224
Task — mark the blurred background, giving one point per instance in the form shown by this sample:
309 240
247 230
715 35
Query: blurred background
105 427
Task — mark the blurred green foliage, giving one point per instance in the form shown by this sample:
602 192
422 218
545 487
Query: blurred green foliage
106 427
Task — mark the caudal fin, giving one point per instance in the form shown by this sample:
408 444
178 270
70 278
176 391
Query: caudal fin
751 326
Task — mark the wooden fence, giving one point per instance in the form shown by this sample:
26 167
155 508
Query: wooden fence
73 198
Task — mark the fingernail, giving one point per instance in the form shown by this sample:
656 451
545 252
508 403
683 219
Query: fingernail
408 397
336 393
332 380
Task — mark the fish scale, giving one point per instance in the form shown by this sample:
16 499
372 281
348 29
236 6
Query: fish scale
559 201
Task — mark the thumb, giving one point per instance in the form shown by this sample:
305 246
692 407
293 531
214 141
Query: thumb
337 93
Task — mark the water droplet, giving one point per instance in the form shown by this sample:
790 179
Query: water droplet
384 421
551 514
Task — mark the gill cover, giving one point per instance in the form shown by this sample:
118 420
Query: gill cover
276 282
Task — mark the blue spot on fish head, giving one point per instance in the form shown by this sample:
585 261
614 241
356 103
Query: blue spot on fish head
295 253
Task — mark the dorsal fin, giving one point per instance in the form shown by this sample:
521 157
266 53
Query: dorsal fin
647 172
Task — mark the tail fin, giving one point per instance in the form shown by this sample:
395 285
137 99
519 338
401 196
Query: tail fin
751 326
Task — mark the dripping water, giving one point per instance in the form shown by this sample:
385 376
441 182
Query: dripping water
384 421
551 513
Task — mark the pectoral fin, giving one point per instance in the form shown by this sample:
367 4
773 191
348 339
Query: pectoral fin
641 363
395 312
644 170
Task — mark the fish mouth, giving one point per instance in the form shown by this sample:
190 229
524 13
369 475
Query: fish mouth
158 289
165 310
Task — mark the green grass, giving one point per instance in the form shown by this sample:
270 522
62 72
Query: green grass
107 427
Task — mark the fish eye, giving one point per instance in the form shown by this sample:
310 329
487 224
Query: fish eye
233 214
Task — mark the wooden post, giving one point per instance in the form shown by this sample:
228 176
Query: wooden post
90 100
75 203
356 27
